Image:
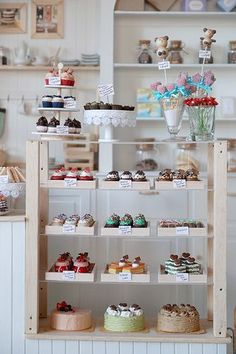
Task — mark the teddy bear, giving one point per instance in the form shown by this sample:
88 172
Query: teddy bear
207 39
162 50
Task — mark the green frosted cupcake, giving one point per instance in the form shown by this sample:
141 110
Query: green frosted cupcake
126 220
140 221
113 221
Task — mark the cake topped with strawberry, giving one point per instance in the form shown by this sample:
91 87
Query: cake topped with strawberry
86 175
82 264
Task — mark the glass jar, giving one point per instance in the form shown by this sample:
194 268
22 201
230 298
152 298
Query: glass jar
175 52
187 157
231 161
146 155
207 61
4 56
232 52
145 52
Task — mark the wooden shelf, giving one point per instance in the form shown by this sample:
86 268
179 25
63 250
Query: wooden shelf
173 66
46 333
44 68
185 119
177 13
53 109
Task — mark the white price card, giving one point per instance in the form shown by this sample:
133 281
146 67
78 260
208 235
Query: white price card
204 54
162 65
61 129
125 184
179 183
181 277
182 231
54 80
68 275
3 179
68 228
105 90
125 276
70 182
125 230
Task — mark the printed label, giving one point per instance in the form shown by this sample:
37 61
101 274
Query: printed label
68 228
61 129
179 183
125 276
182 230
54 80
125 184
70 182
204 54
68 275
69 104
181 277
125 230
4 179
105 90
164 65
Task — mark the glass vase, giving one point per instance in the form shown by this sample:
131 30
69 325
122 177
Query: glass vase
202 122
173 109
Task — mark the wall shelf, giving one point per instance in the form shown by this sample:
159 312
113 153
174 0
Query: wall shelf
173 66
44 68
176 13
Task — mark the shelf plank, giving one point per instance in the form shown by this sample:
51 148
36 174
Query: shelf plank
44 68
61 184
53 109
173 66
213 14
45 332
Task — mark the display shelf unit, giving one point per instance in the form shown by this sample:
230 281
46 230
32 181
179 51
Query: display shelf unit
214 279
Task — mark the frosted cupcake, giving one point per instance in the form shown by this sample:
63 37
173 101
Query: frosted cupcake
52 125
42 125
86 175
57 102
47 101
71 127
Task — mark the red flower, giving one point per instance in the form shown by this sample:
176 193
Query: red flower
201 101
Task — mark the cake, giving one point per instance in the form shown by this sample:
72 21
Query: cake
70 124
59 220
183 264
67 78
139 176
102 105
86 175
42 125
70 221
57 102
3 204
64 262
77 126
52 125
47 101
86 221
179 174
122 318
192 174
178 319
165 175
73 173
113 221
59 174
139 221
126 175
51 73
126 266
68 318
82 264
168 175
126 220
112 176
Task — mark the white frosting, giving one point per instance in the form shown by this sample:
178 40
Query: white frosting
138 312
126 314
122 263
135 265
85 174
112 312
121 307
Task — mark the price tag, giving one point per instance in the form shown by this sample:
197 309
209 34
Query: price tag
68 228
125 184
179 183
181 277
204 54
54 80
105 90
164 65
68 275
4 179
69 103
125 230
61 129
70 182
125 276
182 230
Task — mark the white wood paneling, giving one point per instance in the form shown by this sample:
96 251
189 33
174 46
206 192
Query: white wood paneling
112 348
86 347
126 348
58 347
32 347
72 347
153 348
99 347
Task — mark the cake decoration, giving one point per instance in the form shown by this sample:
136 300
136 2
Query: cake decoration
113 221
59 174
126 220
86 175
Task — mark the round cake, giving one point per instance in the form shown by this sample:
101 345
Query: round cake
178 319
67 318
122 318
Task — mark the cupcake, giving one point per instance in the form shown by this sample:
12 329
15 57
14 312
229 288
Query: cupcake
58 220
47 101
42 125
113 221
112 176
52 125
51 73
77 126
70 221
81 264
126 175
116 107
105 105
86 221
57 102
139 176
179 174
87 106
73 173
63 262
165 175
67 78
192 174
95 105
86 175
70 124
59 174
126 220
139 221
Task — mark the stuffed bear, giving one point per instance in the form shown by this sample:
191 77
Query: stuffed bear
161 43
207 39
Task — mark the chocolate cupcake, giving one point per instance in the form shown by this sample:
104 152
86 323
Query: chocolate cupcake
113 221
52 125
126 175
105 105
112 176
179 174
165 175
87 106
70 124
139 176
42 125
126 220
77 126
192 174
116 107
139 221
95 105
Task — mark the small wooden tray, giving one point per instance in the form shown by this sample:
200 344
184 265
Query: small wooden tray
192 278
169 185
171 231
135 278
79 184
59 276
79 230
116 185
135 231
